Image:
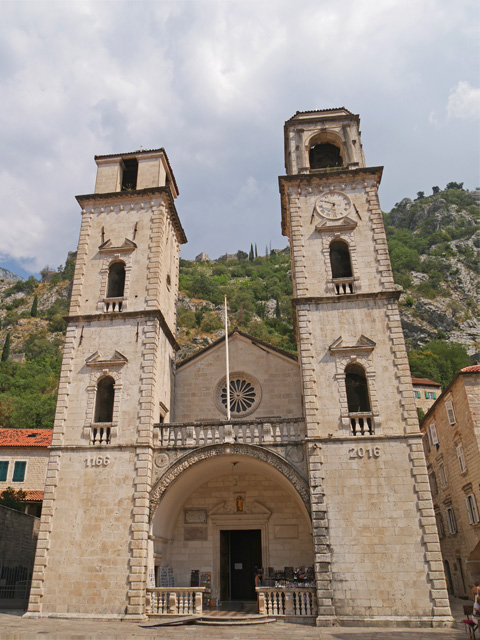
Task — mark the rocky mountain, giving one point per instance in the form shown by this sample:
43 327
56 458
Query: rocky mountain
8 276
434 243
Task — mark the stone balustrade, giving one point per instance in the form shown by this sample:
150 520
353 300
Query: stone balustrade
100 433
254 432
175 601
112 305
282 601
343 286
362 424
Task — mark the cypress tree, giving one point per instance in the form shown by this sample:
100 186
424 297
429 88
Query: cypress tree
34 309
6 348
256 252
251 254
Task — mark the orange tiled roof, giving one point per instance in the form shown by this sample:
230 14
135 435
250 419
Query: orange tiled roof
426 382
475 368
34 496
25 437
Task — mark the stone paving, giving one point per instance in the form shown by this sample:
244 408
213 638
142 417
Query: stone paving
14 627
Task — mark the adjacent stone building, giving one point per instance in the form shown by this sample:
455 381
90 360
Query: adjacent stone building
23 464
156 497
451 436
425 392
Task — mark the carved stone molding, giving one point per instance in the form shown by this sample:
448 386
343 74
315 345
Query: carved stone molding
204 453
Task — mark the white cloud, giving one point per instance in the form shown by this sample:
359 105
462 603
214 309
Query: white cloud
464 101
213 82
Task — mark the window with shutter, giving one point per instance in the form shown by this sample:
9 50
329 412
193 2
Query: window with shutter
3 470
472 509
443 476
432 433
440 527
451 521
461 458
19 471
450 412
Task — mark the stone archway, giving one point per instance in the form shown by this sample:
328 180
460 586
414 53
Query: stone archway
198 455
194 508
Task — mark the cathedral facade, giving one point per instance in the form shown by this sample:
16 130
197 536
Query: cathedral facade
319 475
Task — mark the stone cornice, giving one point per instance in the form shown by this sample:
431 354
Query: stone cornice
137 195
327 175
147 313
391 294
363 439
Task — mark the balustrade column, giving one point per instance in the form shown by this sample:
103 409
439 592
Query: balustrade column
198 602
261 603
229 438
172 602
289 611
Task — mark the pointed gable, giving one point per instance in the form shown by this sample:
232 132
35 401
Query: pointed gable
264 379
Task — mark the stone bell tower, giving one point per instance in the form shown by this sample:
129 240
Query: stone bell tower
377 555
116 382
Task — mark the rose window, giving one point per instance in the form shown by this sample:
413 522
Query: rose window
245 394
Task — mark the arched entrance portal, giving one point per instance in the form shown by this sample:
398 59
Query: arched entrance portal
221 511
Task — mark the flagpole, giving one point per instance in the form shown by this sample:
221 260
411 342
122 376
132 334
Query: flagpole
227 362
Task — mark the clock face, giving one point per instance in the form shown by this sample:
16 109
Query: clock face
333 205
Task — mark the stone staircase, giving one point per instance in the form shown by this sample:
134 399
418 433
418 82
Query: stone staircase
233 618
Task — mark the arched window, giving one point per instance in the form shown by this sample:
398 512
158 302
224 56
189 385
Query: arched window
116 280
340 260
104 400
357 389
324 156
360 413
341 267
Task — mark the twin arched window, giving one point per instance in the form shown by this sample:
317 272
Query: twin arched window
104 400
116 280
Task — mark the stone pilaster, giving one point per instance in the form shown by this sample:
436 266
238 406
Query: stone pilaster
402 369
43 544
81 261
155 250
380 248
321 539
433 557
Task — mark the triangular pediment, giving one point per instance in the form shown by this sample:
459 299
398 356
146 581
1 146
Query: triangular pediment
128 245
96 359
346 224
362 344
236 334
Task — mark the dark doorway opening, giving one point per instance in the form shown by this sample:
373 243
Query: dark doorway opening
240 553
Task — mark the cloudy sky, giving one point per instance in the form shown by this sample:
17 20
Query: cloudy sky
213 82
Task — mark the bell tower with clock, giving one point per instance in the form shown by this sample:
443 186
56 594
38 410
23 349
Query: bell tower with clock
372 514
